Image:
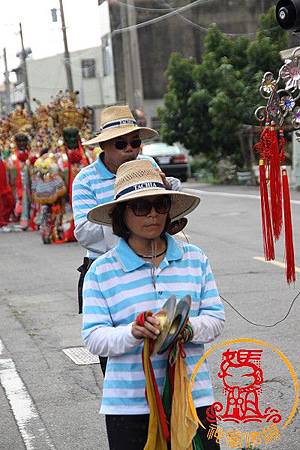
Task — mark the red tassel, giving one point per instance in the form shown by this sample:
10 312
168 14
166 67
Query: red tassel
267 230
275 185
288 230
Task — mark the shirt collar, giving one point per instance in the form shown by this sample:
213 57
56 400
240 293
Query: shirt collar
131 261
103 170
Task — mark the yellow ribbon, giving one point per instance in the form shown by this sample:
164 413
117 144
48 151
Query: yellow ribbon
183 423
155 440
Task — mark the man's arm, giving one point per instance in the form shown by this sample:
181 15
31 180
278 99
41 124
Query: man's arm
91 236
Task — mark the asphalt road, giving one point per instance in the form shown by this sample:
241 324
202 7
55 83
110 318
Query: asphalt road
49 402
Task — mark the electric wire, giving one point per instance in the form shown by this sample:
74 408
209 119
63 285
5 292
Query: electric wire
205 30
262 324
142 8
178 12
244 317
160 18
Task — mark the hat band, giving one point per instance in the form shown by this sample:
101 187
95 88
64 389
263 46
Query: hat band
118 123
139 187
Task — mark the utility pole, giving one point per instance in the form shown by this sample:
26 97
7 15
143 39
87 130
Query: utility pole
24 55
67 54
131 58
6 84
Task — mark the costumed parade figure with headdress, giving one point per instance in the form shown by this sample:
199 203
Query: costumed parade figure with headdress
19 177
42 191
7 199
61 157
70 121
48 190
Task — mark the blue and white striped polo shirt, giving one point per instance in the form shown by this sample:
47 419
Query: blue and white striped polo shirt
119 286
93 186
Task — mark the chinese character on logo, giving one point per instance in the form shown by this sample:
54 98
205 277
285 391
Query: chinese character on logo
242 378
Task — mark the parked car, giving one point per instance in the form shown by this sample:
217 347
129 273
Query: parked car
172 159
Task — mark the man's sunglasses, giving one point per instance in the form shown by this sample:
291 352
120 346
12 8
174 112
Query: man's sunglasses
143 206
120 144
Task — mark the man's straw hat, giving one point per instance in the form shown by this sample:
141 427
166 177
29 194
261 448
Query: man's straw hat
116 121
136 179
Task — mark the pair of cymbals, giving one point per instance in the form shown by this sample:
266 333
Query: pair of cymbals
173 317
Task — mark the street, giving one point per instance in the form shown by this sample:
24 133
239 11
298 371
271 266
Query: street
49 402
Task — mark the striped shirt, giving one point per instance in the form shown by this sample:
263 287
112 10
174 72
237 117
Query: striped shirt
119 286
93 186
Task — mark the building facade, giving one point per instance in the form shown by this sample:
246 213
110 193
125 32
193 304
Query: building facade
47 76
182 31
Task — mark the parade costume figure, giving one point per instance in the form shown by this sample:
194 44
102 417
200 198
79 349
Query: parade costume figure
144 269
7 198
70 120
7 201
19 178
48 190
76 160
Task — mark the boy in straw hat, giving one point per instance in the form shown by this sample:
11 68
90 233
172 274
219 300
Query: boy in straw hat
144 269
120 139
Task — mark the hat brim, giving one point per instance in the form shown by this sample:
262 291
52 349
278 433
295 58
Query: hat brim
182 204
111 133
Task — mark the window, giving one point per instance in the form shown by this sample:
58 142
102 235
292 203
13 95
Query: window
88 68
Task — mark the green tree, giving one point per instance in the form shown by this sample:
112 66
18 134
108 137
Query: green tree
175 116
207 105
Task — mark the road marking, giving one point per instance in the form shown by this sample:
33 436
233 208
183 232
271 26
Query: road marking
228 194
30 425
275 263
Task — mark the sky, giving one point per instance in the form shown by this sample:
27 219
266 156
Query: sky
44 37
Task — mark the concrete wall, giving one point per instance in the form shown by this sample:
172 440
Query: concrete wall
47 76
157 41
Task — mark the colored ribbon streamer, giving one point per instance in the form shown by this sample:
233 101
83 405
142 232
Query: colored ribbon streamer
175 408
158 431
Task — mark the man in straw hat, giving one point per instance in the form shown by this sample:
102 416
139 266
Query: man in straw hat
145 268
120 139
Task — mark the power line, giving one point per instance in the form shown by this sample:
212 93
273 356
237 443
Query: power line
262 324
160 18
178 12
142 8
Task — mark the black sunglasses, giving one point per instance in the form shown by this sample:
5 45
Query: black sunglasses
143 206
120 144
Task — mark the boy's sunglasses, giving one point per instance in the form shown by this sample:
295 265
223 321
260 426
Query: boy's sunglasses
120 144
143 206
